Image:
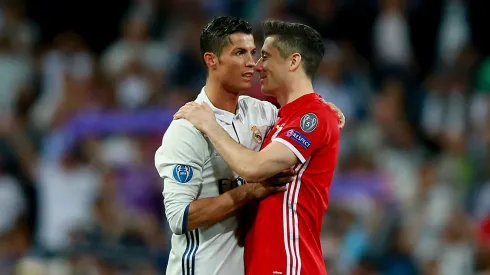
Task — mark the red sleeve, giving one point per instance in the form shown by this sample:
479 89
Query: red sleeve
304 135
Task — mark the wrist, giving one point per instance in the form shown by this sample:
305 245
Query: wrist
243 194
210 127
253 191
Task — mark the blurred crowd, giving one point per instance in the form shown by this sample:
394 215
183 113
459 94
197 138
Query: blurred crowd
79 193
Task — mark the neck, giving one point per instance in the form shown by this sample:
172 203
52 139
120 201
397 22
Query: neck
294 90
220 97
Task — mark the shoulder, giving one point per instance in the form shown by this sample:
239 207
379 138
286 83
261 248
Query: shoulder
316 120
182 142
182 129
323 113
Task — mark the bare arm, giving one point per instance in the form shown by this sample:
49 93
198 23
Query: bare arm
294 144
208 211
180 162
252 166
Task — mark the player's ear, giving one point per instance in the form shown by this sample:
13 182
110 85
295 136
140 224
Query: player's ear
295 61
211 60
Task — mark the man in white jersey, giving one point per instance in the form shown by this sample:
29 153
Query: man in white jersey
201 192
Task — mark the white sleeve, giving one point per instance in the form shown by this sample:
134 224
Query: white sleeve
179 162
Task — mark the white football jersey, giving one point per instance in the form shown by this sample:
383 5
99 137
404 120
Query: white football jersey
191 169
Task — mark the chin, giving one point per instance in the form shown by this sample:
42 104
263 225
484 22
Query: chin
247 86
241 89
266 90
237 88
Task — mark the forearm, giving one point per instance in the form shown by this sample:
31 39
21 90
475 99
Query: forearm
208 211
241 159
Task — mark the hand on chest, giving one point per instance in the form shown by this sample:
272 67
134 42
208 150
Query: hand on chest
250 135
247 133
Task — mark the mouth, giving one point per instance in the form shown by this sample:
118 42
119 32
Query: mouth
248 75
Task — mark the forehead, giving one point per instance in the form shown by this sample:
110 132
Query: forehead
241 40
269 47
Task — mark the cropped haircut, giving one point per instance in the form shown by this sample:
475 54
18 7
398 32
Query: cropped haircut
216 34
297 38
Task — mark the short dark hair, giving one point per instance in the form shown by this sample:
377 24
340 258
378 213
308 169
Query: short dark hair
297 38
215 35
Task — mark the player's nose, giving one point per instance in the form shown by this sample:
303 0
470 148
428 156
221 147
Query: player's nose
258 66
250 62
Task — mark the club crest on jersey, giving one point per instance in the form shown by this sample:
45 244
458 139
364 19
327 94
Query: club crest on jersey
183 173
256 134
309 122
299 138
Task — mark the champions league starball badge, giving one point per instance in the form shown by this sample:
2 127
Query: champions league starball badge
309 122
183 173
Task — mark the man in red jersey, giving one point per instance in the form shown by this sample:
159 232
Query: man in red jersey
285 237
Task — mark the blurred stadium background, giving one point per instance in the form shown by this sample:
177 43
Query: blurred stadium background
87 89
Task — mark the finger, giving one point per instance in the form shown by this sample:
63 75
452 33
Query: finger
279 189
285 180
288 173
178 115
194 105
280 181
181 111
289 170
285 173
185 107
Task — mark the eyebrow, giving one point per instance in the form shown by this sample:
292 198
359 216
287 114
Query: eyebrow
244 49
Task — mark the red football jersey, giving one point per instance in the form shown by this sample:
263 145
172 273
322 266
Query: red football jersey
285 237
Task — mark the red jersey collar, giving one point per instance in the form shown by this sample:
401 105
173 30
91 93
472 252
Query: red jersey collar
298 103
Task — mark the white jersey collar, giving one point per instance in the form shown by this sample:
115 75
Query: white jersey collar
222 115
